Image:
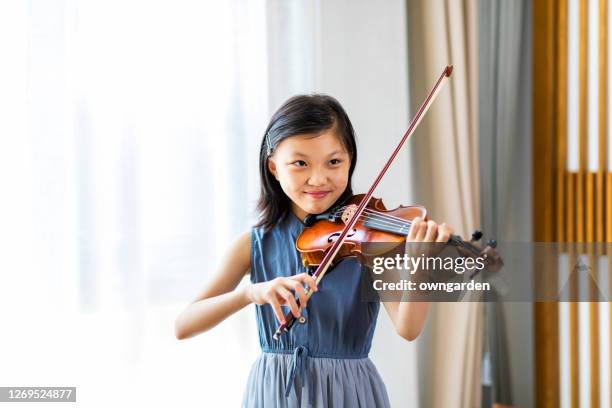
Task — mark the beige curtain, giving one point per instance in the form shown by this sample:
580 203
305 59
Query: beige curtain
444 153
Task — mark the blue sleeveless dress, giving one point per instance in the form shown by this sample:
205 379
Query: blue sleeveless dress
322 362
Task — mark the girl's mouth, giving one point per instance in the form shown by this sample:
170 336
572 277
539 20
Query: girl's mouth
317 195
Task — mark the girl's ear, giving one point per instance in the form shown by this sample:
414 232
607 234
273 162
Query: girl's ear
272 168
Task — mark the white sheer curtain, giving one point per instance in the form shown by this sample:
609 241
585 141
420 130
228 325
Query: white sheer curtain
129 139
129 133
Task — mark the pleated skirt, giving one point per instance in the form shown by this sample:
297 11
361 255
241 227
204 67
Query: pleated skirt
328 382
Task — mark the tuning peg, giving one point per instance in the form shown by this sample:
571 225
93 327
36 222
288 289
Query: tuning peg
476 235
492 243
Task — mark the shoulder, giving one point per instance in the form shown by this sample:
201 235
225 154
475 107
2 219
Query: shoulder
237 255
244 238
234 265
242 244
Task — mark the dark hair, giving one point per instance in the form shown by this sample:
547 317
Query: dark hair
299 115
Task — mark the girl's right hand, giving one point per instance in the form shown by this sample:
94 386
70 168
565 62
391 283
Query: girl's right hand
280 291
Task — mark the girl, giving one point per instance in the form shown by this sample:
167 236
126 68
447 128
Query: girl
307 158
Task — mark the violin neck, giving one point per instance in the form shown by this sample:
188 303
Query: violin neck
457 241
394 225
397 227
403 228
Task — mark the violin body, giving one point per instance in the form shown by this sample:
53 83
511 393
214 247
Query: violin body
316 239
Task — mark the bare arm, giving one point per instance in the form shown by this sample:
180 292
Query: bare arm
409 317
219 299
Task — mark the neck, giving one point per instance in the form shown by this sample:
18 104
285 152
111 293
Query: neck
298 212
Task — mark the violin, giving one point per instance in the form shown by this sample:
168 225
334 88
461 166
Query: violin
327 239
376 225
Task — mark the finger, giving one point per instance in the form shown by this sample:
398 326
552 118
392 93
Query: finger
304 277
420 234
299 289
411 247
312 283
444 233
278 312
290 301
414 226
430 232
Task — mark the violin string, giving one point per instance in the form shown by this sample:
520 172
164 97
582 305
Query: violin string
455 240
385 216
385 226
381 221
367 210
384 220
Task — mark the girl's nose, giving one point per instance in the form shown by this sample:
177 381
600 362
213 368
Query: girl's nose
318 178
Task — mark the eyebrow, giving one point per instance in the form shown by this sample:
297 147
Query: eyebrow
304 155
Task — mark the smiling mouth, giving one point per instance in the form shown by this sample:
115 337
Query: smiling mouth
317 194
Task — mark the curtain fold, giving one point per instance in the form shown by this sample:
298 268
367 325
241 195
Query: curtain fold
505 174
446 182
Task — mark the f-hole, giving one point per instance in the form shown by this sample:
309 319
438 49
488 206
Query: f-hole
335 235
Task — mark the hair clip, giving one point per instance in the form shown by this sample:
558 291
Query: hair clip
268 144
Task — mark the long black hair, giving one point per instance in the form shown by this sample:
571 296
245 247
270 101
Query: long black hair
299 115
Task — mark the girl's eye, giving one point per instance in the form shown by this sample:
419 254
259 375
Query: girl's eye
299 163
335 161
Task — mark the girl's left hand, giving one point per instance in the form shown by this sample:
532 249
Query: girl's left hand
421 232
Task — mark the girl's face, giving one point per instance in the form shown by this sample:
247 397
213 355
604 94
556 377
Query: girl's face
312 170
